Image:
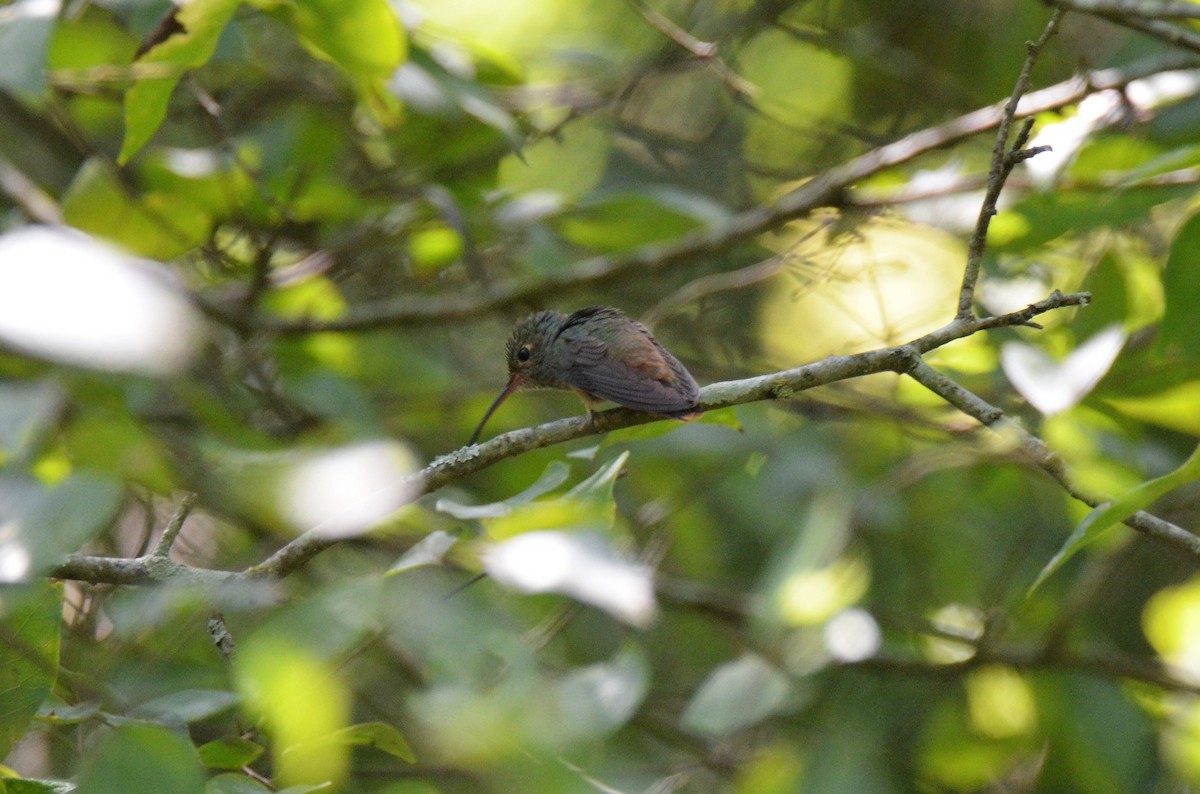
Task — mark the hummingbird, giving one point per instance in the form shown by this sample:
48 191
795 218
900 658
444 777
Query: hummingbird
600 354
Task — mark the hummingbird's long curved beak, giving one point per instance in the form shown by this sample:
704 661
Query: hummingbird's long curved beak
514 383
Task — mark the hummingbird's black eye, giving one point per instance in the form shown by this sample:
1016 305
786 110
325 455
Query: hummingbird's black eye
523 353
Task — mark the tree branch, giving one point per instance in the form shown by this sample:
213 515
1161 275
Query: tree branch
1036 449
462 462
1144 17
1004 159
823 190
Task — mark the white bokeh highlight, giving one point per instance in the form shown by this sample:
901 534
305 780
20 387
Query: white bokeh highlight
69 298
580 566
1053 386
348 490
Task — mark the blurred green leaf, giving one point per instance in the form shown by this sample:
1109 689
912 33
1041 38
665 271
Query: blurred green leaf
380 735
26 411
202 22
736 696
156 225
25 30
22 786
187 705
29 652
138 759
1182 290
55 712
235 784
363 37
431 550
555 474
44 524
598 699
1047 216
230 752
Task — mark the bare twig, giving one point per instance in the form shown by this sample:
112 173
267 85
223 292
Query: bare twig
1004 159
706 51
1144 17
174 526
1152 9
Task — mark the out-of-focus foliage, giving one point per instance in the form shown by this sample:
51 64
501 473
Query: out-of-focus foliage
828 593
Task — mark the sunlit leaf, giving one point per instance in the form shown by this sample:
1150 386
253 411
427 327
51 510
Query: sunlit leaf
202 22
155 224
301 701
1109 515
380 735
1173 408
363 37
230 752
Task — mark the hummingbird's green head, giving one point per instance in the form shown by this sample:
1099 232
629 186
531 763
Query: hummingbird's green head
527 349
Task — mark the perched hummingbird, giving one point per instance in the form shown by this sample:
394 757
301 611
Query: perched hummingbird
600 354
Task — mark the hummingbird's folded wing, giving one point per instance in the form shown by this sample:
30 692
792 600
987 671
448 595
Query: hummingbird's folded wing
641 375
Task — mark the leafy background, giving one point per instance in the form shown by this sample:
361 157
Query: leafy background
828 592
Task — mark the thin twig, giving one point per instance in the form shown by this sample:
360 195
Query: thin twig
1003 161
174 526
1144 18
706 51
1153 9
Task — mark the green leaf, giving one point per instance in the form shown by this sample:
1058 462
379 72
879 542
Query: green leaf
230 752
55 712
1107 516
1045 216
1182 291
29 648
97 203
25 786
379 735
26 412
188 705
43 524
235 784
600 698
146 101
25 30
363 37
736 695
431 550
554 475
140 759
624 221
